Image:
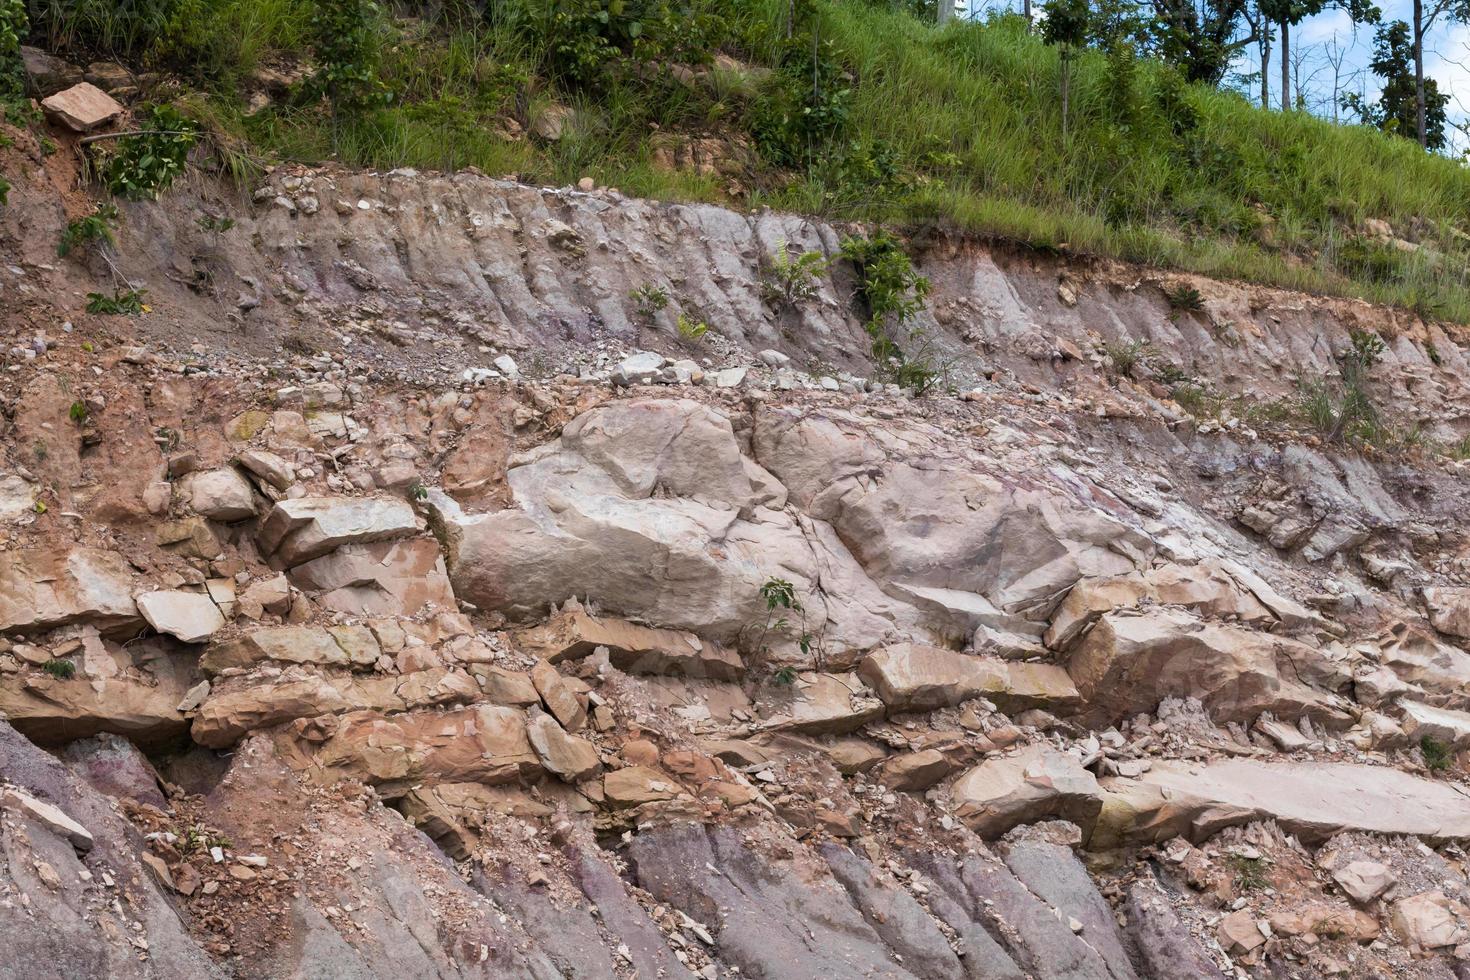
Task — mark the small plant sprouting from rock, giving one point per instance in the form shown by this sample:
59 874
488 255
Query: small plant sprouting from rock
123 302
95 227
1127 356
78 412
418 492
62 670
1184 299
691 329
785 677
650 299
1250 873
197 837
790 278
1436 754
781 599
215 225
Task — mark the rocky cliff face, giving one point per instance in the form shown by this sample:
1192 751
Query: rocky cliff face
406 620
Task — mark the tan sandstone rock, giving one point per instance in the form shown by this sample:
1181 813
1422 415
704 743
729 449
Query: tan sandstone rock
1036 784
190 616
912 677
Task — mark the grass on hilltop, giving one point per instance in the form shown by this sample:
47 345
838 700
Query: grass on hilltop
957 128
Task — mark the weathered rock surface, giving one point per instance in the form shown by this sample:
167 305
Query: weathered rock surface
72 929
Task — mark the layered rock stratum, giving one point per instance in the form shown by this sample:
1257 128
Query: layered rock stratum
393 599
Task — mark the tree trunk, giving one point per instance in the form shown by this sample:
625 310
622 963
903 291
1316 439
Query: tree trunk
1265 73
1285 67
1419 72
946 11
1027 5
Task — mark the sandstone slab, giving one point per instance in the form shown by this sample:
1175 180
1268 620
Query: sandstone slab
333 646
296 531
1315 801
190 616
1130 662
382 578
45 588
82 108
913 677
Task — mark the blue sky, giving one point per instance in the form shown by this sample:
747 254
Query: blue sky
1447 59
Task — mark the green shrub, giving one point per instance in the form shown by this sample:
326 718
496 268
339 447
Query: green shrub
4 191
1126 356
1437 755
123 302
690 328
63 670
346 42
791 278
650 299
143 166
95 227
13 27
1185 299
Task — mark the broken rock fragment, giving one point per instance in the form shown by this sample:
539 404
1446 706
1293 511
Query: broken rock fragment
1038 783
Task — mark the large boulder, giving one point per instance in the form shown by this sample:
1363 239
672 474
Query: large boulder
1129 662
913 677
220 495
1449 610
1037 783
912 518
650 508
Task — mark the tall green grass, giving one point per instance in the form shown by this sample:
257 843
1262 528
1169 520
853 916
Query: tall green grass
964 123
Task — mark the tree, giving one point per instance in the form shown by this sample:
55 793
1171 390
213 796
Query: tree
1425 90
1401 108
1200 37
1067 26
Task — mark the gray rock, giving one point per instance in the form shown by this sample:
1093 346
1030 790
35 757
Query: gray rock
1165 947
895 915
1055 875
639 369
